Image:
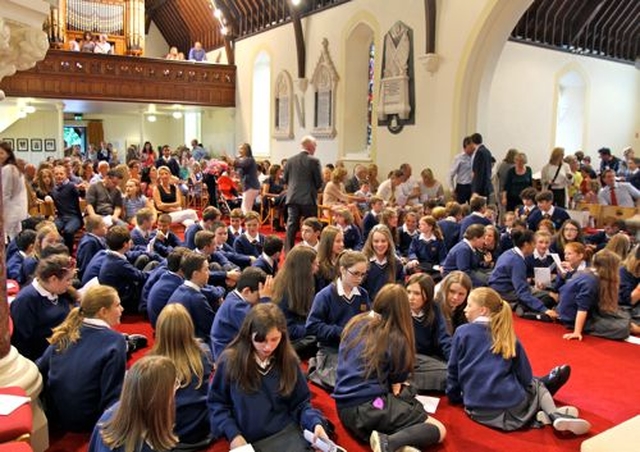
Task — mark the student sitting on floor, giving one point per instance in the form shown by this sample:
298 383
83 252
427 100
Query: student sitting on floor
42 305
452 299
509 279
343 219
569 232
450 225
201 300
372 217
175 339
427 251
546 210
251 242
541 256
463 257
270 257
83 368
210 215
47 234
144 417
116 271
222 246
630 283
487 350
142 233
236 217
376 357
254 286
221 271
478 206
164 284
310 232
588 302
332 308
433 341
575 260
293 291
610 227
384 265
91 242
408 232
330 247
164 239
258 394
25 242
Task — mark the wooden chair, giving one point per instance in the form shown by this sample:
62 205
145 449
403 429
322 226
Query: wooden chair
619 213
268 209
325 213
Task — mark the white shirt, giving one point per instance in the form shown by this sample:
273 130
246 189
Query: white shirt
342 293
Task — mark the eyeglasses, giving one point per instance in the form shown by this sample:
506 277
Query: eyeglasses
357 274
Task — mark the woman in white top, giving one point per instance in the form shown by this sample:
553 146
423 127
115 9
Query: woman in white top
430 188
102 46
14 193
556 176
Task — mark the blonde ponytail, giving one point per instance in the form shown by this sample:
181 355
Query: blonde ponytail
503 336
68 332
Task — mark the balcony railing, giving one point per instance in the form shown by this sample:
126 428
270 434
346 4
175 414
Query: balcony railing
74 75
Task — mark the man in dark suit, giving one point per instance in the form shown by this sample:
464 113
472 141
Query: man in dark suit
169 161
481 167
359 176
303 177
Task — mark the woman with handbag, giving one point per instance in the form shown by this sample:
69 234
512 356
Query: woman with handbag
556 176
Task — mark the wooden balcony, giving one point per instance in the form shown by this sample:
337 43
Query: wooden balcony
73 75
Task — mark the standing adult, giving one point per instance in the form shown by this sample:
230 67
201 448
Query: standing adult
249 171
516 179
14 192
461 174
608 161
501 175
480 167
303 176
556 177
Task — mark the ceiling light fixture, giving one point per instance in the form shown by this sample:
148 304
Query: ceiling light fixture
177 114
30 109
151 118
296 2
22 114
224 31
217 13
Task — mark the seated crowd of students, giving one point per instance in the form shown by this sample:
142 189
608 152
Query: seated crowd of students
384 306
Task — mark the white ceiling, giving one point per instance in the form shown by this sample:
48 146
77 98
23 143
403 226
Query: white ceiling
99 107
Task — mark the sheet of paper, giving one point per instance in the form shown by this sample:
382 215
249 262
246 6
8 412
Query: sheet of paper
245 448
542 276
92 282
10 403
633 340
430 404
557 261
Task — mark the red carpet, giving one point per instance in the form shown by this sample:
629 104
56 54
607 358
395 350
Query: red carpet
602 385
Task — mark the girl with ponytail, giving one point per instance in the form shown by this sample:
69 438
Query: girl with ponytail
83 368
490 374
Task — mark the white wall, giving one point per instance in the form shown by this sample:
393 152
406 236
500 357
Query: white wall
523 96
431 142
155 44
218 130
516 102
42 125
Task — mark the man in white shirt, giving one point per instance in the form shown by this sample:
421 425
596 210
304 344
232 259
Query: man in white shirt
614 193
461 174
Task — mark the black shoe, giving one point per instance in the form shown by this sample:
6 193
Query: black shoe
539 316
136 342
556 379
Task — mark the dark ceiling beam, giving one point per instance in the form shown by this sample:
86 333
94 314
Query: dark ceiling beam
430 25
598 29
612 24
584 27
300 46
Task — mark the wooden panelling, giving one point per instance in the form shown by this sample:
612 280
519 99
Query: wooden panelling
74 75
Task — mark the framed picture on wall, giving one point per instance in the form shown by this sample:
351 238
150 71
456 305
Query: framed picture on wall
10 142
22 145
49 145
36 144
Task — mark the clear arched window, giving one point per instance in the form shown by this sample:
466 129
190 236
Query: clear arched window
570 111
